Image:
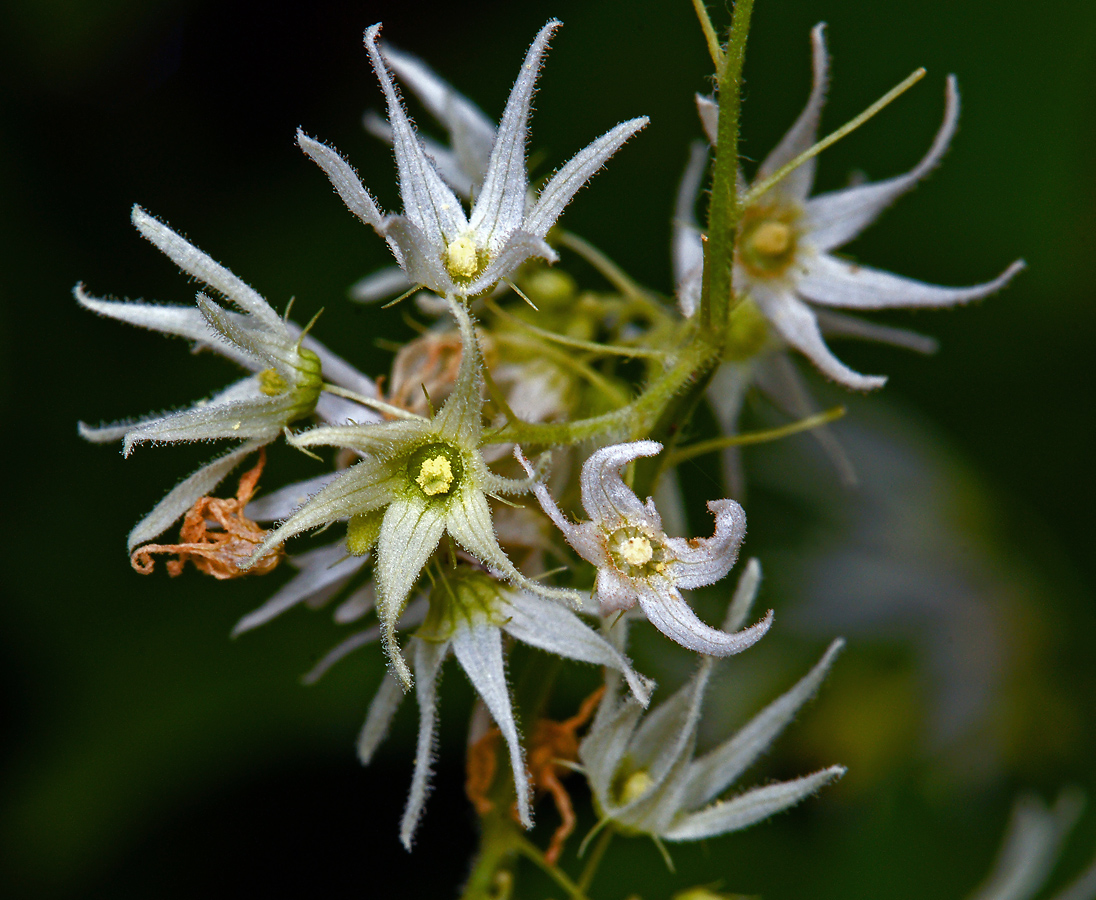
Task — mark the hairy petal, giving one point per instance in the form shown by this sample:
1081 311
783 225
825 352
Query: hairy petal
749 808
379 718
574 174
428 660
608 500
688 247
344 180
667 610
834 282
703 561
835 218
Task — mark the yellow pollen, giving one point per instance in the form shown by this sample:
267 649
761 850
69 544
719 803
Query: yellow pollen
462 258
772 238
271 383
636 551
435 476
637 784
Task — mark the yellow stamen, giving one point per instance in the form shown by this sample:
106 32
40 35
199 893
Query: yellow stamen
637 784
636 551
435 476
462 259
772 238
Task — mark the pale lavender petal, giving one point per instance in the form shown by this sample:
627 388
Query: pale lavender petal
688 247
796 324
325 567
358 604
478 648
744 595
428 660
614 591
379 718
341 650
710 775
336 369
608 500
702 561
501 206
708 110
667 610
382 284
185 494
418 257
582 537
835 324
574 174
520 247
749 808
282 503
334 410
555 629
427 200
605 745
344 180
834 219
834 282
197 264
803 134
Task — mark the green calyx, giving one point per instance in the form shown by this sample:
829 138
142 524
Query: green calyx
463 595
362 532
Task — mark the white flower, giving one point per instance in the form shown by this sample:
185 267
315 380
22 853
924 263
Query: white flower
288 368
641 769
435 244
784 261
419 478
637 562
468 614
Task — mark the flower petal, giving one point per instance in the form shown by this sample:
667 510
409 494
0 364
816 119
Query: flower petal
708 110
344 180
796 324
834 282
418 257
688 246
186 493
428 202
667 610
583 536
555 629
749 808
803 134
380 285
609 502
262 419
745 593
479 650
282 503
471 133
410 533
412 616
614 591
379 718
835 324
320 569
197 264
834 219
702 561
605 745
575 173
520 246
428 660
501 206
710 775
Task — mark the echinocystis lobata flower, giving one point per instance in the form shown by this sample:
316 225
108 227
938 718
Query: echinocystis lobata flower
288 370
637 562
469 611
419 478
784 260
435 244
642 770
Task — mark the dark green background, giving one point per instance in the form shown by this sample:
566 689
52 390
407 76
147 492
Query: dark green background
147 754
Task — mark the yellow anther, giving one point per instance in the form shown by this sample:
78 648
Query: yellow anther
772 238
271 382
462 259
435 476
636 785
636 551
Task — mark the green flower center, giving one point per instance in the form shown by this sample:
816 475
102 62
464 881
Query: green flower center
767 241
436 469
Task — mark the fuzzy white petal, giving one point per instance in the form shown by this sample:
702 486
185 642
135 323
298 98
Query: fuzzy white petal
702 561
667 610
344 180
428 660
380 285
688 247
608 500
379 718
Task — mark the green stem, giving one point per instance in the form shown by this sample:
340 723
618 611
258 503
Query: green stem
496 854
889 97
590 869
755 437
532 852
714 50
724 210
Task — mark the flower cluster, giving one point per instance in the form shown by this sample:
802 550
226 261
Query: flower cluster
432 536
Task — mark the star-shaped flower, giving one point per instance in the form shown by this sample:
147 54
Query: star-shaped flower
637 562
642 770
288 368
784 260
419 478
435 244
468 614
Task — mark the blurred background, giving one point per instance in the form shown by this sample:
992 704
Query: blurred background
146 753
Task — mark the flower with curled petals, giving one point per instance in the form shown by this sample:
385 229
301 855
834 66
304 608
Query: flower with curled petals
638 563
433 241
784 261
